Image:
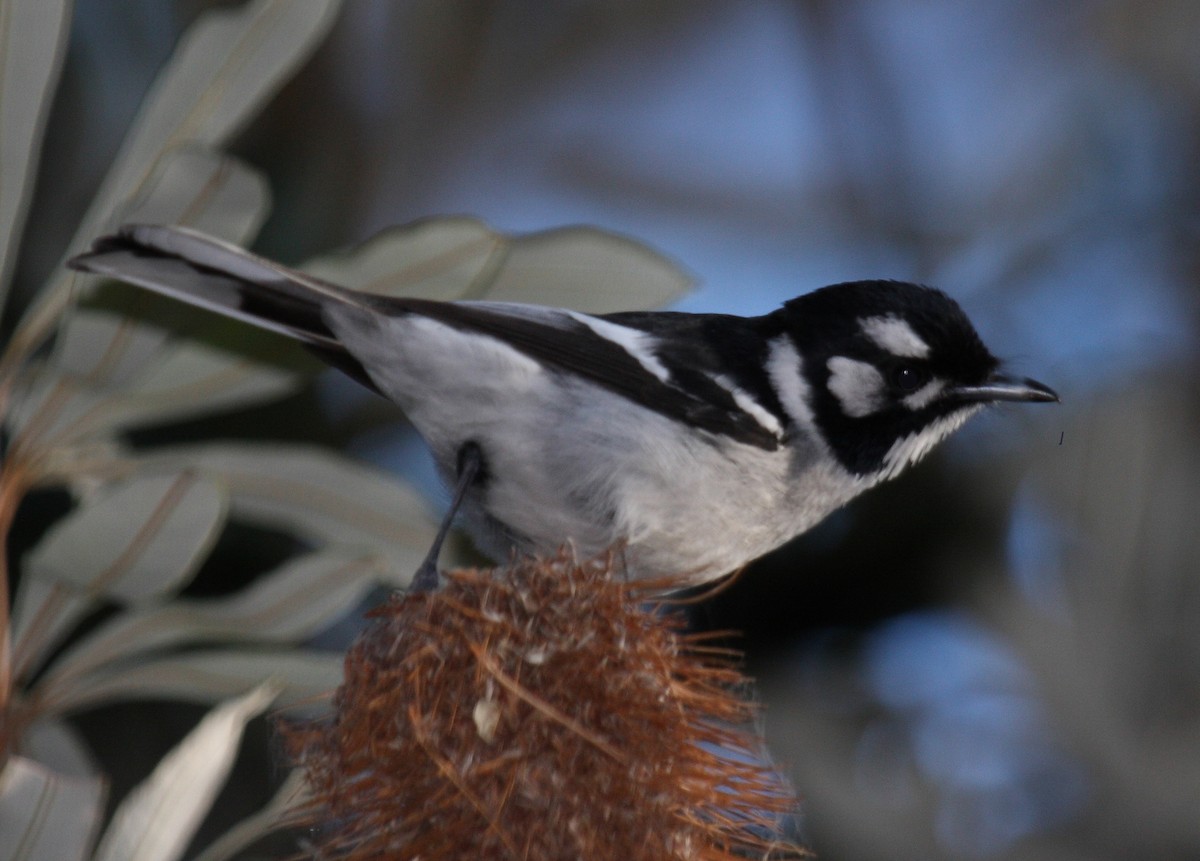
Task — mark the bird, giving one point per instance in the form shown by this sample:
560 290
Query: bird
691 444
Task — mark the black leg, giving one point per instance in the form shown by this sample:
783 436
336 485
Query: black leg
470 462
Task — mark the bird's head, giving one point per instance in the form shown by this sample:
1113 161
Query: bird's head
891 368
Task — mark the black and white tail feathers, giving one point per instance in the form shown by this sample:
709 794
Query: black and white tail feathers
218 276
346 328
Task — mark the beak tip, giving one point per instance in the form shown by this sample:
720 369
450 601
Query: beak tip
1001 388
1040 392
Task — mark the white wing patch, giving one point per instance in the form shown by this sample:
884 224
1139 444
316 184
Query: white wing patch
896 336
748 405
858 386
635 343
785 369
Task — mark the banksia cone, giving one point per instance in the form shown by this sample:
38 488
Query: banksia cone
538 712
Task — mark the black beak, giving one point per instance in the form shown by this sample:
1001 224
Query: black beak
1001 388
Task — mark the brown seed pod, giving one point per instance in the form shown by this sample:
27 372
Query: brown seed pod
539 711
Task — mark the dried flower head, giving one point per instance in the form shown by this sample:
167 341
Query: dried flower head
538 711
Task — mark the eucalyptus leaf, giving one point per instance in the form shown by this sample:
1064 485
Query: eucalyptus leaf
205 190
43 614
191 379
98 349
588 270
296 601
32 36
57 745
136 541
45 816
107 348
141 377
190 186
50 407
436 258
307 678
226 66
583 268
316 495
159 817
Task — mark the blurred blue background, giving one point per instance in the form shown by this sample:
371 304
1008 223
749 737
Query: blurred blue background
996 656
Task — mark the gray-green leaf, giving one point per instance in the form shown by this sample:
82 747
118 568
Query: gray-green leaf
316 495
45 816
294 602
139 539
227 65
224 69
209 676
56 744
159 817
136 541
583 268
205 190
32 35
587 269
154 380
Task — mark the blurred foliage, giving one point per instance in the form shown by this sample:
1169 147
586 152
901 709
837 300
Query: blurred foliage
139 532
1053 714
98 615
991 657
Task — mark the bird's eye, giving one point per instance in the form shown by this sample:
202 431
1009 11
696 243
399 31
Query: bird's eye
908 378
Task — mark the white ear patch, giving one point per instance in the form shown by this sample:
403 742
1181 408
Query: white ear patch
858 386
896 336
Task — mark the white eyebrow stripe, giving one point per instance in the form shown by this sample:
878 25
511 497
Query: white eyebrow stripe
896 336
748 405
785 370
634 342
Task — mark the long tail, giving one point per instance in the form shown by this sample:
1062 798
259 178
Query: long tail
229 280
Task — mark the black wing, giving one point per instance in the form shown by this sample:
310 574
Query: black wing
558 340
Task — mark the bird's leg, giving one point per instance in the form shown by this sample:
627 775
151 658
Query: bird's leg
470 462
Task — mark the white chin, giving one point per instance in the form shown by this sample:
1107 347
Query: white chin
910 449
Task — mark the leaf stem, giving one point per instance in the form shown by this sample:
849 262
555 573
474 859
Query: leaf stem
13 484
